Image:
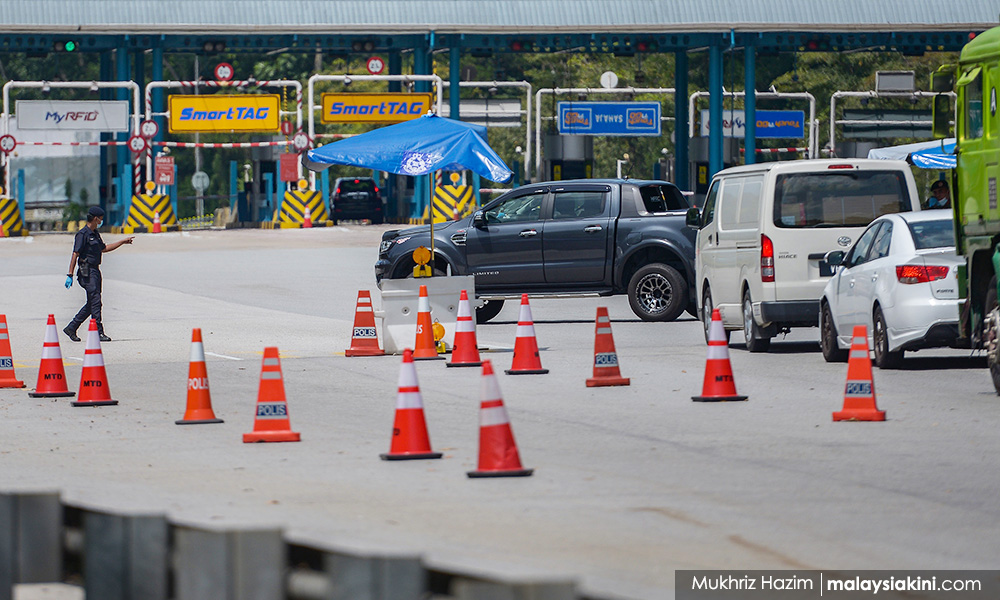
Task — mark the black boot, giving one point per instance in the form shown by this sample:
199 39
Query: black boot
70 332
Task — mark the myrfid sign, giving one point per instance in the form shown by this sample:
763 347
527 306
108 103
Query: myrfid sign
72 115
609 118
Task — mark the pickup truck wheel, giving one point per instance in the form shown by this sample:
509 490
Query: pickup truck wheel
657 292
490 309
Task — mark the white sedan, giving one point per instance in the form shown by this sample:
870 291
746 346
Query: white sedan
900 280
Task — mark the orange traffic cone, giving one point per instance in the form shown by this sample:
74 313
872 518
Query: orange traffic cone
51 375
719 385
199 399
425 348
271 423
526 358
7 378
859 393
606 371
364 339
157 228
466 350
498 455
94 389
307 220
409 431
3 231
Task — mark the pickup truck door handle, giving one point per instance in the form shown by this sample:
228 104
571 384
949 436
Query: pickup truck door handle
528 233
593 228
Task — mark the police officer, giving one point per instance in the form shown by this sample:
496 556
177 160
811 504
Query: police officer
940 195
87 249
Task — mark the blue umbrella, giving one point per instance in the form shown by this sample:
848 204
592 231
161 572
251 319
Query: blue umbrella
416 147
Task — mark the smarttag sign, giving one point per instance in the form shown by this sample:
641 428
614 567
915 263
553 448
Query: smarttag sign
609 118
374 108
771 124
72 115
218 113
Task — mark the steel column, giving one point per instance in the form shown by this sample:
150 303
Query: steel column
681 118
715 110
750 104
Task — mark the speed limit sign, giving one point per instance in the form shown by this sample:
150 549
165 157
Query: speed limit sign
149 129
376 65
137 144
224 72
7 144
300 141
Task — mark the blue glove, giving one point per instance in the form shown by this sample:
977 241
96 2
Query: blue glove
69 281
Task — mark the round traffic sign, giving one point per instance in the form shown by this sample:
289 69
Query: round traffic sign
7 143
137 144
224 72
286 128
149 129
376 65
300 141
609 80
200 181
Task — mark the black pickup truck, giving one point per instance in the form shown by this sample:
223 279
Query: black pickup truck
603 236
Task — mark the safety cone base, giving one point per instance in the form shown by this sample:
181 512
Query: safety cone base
197 421
439 357
271 436
719 398
464 364
95 403
11 383
363 352
509 473
410 455
859 414
526 371
608 381
52 394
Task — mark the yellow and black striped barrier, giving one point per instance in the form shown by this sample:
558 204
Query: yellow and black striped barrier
293 210
451 202
143 211
10 218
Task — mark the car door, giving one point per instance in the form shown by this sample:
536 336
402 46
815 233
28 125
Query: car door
726 280
575 237
705 243
852 271
506 250
867 275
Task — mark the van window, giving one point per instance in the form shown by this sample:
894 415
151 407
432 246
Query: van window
708 213
750 203
838 198
729 206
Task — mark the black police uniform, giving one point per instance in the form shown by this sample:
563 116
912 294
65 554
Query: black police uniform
89 246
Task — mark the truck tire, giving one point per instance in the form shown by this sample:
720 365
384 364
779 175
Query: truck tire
756 341
489 310
657 292
990 333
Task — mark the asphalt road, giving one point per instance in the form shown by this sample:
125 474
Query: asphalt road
631 483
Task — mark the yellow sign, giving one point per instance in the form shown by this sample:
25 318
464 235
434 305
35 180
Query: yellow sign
219 113
374 108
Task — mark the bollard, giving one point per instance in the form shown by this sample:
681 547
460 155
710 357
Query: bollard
326 574
30 540
125 557
240 565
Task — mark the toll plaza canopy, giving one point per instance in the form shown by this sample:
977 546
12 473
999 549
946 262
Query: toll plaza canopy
424 27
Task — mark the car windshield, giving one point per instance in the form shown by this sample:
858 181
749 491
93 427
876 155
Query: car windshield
933 234
356 185
838 198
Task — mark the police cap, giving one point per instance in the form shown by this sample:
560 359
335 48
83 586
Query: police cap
938 185
95 211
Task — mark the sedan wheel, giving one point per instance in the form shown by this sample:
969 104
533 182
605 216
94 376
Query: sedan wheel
828 337
884 359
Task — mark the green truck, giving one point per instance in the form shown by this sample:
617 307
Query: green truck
974 184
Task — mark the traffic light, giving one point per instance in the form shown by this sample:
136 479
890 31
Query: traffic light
362 45
65 46
213 46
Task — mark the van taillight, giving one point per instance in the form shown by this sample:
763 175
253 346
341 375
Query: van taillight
840 167
376 189
338 191
920 273
766 259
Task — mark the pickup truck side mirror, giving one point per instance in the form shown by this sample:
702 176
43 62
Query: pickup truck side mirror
693 219
835 258
479 219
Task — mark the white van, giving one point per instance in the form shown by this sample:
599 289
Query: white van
765 229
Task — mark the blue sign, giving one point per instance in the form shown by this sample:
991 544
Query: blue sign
609 118
771 124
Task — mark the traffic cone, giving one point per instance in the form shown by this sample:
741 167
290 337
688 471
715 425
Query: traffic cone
7 378
307 220
859 392
425 348
3 231
157 228
465 352
364 339
199 399
719 385
51 375
94 389
498 455
526 358
271 424
409 432
606 371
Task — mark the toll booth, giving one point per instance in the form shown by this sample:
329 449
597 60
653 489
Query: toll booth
569 157
698 159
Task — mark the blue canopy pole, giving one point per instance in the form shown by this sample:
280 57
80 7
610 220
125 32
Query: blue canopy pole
681 119
455 79
750 103
714 110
